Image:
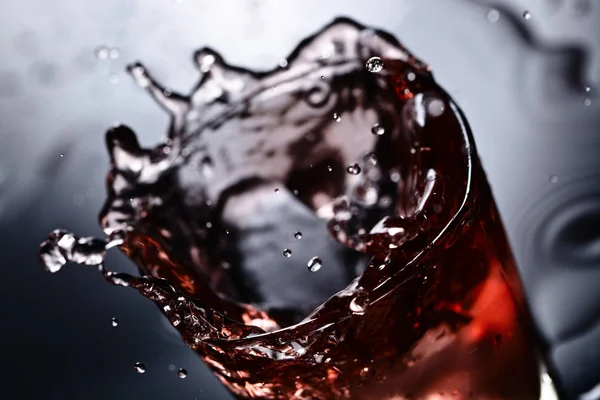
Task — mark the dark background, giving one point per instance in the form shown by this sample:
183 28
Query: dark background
521 82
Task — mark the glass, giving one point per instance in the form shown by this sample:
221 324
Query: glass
322 230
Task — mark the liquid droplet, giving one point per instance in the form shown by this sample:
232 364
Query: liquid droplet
374 64
337 117
62 154
298 235
114 53
314 264
377 130
287 253
139 368
276 190
101 52
587 89
113 78
115 322
182 373
329 168
553 178
587 102
493 15
353 169
526 15
359 304
283 63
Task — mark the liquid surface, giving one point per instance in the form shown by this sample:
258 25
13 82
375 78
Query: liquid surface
401 284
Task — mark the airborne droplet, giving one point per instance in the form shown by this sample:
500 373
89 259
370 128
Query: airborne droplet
115 322
493 15
526 15
353 169
101 52
287 253
314 264
139 368
377 130
182 373
374 64
298 235
337 117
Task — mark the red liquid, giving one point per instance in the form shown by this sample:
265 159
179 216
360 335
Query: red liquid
437 312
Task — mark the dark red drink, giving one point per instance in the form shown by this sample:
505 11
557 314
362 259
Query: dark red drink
323 230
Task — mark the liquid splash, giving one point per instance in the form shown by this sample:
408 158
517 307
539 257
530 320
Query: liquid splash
352 139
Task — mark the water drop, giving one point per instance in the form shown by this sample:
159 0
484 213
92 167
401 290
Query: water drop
493 15
139 368
206 167
359 304
371 159
377 130
411 76
101 52
287 253
353 169
113 78
276 190
526 15
587 102
114 53
115 322
329 168
553 178
587 89
314 264
337 117
171 367
283 63
374 64
298 235
182 373
62 154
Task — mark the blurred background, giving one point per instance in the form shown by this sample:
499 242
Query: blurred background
525 72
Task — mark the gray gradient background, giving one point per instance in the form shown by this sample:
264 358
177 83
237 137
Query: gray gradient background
520 84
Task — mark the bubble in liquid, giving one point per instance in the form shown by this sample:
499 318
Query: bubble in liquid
553 178
139 368
182 373
115 322
287 253
314 264
435 107
101 52
374 64
337 117
353 169
359 304
493 15
526 15
377 130
298 235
